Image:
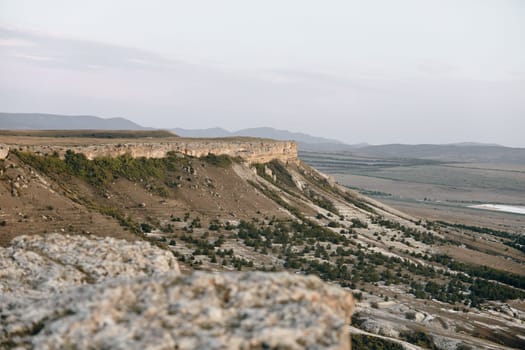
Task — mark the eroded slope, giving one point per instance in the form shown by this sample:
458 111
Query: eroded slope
218 214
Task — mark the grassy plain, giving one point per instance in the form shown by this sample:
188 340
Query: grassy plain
430 189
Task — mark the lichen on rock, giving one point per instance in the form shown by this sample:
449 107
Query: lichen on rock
151 305
38 265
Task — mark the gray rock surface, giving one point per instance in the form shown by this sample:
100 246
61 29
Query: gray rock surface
78 292
39 265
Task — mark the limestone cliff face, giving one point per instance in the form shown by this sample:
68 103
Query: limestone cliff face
251 150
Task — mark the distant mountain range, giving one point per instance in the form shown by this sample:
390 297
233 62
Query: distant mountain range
463 152
459 152
306 142
42 121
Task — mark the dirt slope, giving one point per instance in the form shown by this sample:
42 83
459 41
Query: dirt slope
219 214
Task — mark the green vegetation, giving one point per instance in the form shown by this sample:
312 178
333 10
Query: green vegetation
478 229
157 175
482 271
304 246
207 246
482 290
419 338
283 179
124 220
341 250
359 203
282 232
322 201
372 193
356 223
221 160
366 342
307 247
281 174
146 228
260 169
348 197
277 199
514 240
101 171
215 225
421 236
457 290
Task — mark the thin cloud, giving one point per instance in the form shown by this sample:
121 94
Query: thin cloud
32 57
436 68
289 76
11 42
68 53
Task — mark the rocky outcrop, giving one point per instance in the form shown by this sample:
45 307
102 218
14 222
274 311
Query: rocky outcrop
4 151
251 150
79 292
36 266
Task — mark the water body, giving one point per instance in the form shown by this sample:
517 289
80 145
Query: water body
501 207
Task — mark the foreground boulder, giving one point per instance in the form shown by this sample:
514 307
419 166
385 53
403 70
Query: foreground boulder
154 306
35 266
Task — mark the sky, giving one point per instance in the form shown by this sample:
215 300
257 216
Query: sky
405 71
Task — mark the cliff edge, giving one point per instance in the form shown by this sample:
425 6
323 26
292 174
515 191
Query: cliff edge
251 150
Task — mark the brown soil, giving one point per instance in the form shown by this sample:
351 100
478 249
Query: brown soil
479 258
43 206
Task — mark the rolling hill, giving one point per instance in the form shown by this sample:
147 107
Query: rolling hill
42 121
464 153
306 142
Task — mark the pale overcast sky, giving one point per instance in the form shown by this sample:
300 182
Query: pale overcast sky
359 71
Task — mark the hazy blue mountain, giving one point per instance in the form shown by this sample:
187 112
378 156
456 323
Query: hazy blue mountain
473 144
41 121
459 152
306 142
277 134
211 132
464 152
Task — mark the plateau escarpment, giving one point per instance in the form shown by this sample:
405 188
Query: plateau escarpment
249 149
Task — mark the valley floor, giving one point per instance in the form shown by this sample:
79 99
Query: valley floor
431 282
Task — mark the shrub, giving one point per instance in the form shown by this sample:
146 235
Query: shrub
366 342
145 227
419 338
218 160
410 315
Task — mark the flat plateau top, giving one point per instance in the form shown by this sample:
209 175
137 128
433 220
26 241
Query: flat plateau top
98 137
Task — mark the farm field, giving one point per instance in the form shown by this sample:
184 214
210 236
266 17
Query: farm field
433 190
